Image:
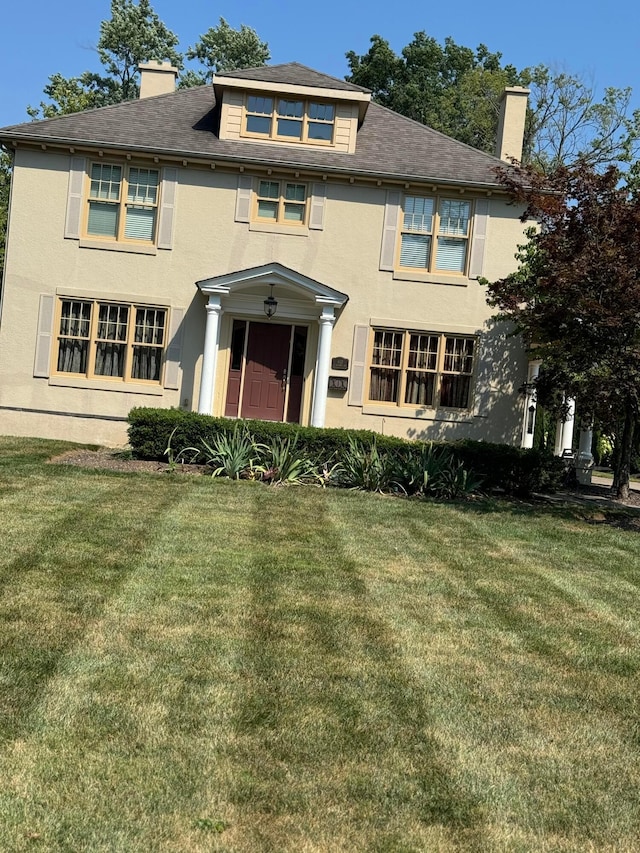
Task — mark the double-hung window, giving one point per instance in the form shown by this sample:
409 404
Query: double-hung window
113 340
434 234
122 202
289 119
281 202
421 369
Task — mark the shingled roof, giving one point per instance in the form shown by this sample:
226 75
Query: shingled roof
184 124
294 74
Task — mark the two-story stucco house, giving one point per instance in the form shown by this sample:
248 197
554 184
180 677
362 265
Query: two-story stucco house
273 246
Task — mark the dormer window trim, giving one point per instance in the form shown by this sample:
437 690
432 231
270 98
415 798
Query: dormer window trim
282 118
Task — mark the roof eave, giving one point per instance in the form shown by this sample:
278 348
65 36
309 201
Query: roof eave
186 154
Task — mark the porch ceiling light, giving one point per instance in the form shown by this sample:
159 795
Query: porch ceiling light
270 304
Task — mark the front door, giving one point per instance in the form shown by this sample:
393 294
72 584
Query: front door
265 374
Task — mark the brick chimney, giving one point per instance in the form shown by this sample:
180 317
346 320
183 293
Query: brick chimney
513 112
157 78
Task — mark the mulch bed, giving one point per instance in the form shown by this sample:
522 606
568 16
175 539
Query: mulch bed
114 460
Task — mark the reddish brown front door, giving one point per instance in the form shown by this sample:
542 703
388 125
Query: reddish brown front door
265 375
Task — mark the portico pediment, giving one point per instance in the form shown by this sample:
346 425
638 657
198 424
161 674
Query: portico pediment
288 281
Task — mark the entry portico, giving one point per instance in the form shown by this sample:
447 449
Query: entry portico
269 358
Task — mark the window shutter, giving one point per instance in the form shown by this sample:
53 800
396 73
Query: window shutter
174 349
480 223
43 341
167 207
389 230
243 198
358 365
316 214
77 170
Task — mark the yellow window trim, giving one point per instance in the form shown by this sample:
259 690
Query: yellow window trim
431 269
438 372
92 341
280 221
121 203
273 135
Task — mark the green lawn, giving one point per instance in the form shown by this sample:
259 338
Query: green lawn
200 665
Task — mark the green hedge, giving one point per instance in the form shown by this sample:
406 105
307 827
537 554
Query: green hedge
501 467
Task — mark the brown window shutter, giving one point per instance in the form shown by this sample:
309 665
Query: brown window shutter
42 361
479 238
390 230
316 213
77 171
167 207
358 365
174 349
243 198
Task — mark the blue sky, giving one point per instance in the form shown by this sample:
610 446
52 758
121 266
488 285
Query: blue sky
38 38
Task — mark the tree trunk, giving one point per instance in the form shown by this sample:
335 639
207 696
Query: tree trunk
622 469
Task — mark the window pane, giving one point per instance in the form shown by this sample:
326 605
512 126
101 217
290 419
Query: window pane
294 192
150 325
259 124
143 186
268 210
269 189
294 213
140 223
415 251
72 355
384 384
320 131
458 355
322 112
454 391
112 322
454 217
259 104
290 109
105 181
110 359
451 254
387 348
418 214
420 388
75 318
289 127
423 352
103 219
147 363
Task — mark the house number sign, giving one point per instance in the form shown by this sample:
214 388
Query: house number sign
339 363
338 383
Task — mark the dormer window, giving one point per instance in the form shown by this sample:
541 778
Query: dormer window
289 120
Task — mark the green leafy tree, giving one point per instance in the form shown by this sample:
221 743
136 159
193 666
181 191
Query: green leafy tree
458 91
5 184
133 34
576 296
222 49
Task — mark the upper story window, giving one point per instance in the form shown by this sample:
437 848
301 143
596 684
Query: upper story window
434 234
289 120
281 202
113 340
122 202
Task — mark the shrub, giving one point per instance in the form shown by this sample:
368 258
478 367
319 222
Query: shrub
499 467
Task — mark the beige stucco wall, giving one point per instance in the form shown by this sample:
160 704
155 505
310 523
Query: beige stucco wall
208 242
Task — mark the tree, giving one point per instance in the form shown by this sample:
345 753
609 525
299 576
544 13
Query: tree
5 183
457 91
133 34
576 295
222 49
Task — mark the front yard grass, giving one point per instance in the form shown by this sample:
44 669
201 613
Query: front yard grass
199 665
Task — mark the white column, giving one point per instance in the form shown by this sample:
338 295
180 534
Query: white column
319 406
584 465
564 429
529 425
208 375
